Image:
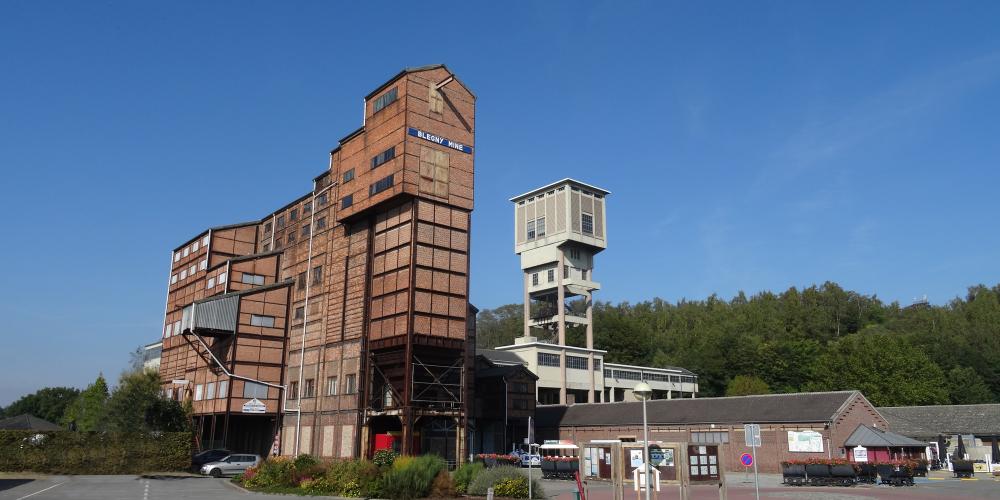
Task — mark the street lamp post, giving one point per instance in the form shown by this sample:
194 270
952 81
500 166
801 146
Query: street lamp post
643 392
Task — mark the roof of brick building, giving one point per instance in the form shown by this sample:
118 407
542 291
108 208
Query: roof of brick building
770 408
931 421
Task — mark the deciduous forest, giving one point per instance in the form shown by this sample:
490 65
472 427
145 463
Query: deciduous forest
819 338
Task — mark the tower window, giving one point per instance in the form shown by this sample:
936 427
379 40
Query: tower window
348 176
384 100
552 275
546 359
588 223
534 279
383 157
380 185
540 226
346 201
574 253
531 230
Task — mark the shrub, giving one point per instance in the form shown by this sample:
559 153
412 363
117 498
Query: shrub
465 475
317 486
353 478
511 487
304 461
276 471
443 486
384 458
411 477
66 452
504 476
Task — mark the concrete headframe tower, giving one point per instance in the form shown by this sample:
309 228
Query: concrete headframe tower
558 230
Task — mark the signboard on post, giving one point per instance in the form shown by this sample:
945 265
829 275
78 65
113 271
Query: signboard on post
752 434
746 459
860 454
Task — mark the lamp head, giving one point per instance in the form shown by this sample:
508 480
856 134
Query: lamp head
642 391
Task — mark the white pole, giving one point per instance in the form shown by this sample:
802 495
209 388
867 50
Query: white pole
753 454
645 447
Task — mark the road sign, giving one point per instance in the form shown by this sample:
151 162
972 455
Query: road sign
752 433
746 459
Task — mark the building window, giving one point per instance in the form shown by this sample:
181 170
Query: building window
198 392
346 201
534 279
349 386
348 176
540 226
291 237
261 320
222 278
551 275
574 253
187 251
170 393
281 221
252 279
254 390
267 247
177 256
300 312
293 215
210 391
310 391
380 185
300 282
384 100
317 275
210 284
331 386
184 274
520 404
293 390
307 208
624 374
194 246
321 199
203 265
383 157
267 227
710 437
588 223
531 229
192 270
204 241
597 365
434 99
576 362
173 279
434 171
565 271
223 388
546 359
305 230
321 223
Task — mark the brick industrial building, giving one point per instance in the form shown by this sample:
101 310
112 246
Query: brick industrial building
793 426
340 318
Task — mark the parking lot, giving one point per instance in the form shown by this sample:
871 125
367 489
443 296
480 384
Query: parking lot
191 487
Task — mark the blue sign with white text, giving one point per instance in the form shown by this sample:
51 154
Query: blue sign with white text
427 136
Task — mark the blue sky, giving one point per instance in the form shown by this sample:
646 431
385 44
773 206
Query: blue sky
748 145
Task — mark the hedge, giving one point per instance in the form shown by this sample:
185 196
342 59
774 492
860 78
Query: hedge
67 452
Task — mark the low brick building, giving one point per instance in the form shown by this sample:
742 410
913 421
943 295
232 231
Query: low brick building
793 426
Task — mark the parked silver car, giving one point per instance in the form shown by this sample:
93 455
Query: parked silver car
231 465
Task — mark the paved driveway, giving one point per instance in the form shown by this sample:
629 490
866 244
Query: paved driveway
120 488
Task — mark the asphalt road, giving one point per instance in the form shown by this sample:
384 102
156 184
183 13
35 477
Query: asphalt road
163 488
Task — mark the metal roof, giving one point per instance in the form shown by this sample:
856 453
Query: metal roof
27 422
500 357
870 437
567 180
927 422
808 407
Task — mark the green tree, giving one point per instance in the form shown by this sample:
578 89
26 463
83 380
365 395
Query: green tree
496 327
884 367
965 386
138 404
49 403
746 385
88 412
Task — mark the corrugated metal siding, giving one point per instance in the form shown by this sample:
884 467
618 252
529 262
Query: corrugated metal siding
550 214
574 211
520 224
219 314
599 218
560 212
